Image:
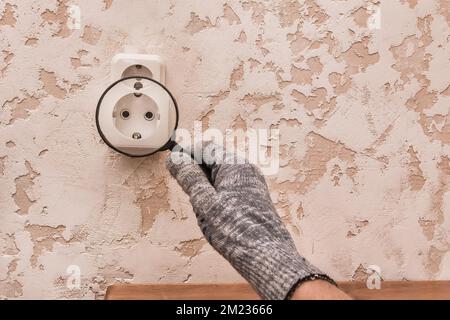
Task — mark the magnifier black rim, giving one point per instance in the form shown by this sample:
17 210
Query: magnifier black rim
166 146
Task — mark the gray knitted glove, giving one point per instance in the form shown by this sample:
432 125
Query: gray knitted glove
235 213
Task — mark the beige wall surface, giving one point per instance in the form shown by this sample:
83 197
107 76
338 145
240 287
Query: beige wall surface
358 89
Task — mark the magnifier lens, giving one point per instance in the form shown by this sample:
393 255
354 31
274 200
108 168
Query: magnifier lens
137 116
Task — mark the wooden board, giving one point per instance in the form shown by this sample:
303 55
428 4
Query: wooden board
390 290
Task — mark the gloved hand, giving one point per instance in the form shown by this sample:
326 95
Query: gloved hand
237 217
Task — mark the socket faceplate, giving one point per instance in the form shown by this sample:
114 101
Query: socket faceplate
127 65
137 114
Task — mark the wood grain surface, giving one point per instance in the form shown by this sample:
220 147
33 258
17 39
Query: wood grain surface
390 290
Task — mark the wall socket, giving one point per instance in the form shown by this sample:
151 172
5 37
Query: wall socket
135 64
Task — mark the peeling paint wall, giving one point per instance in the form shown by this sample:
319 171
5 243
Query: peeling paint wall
363 114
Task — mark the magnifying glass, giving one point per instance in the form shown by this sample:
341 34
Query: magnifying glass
137 116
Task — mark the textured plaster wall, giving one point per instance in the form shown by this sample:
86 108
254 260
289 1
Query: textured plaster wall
363 115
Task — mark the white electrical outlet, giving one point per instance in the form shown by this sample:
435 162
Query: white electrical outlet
137 114
135 64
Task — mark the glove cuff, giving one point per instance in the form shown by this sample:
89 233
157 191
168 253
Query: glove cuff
311 277
275 273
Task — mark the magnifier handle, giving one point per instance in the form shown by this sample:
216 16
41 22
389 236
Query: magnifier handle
207 171
204 167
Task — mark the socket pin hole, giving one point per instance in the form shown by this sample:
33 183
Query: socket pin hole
138 85
124 114
149 115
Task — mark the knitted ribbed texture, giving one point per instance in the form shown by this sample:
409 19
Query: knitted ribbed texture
237 217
